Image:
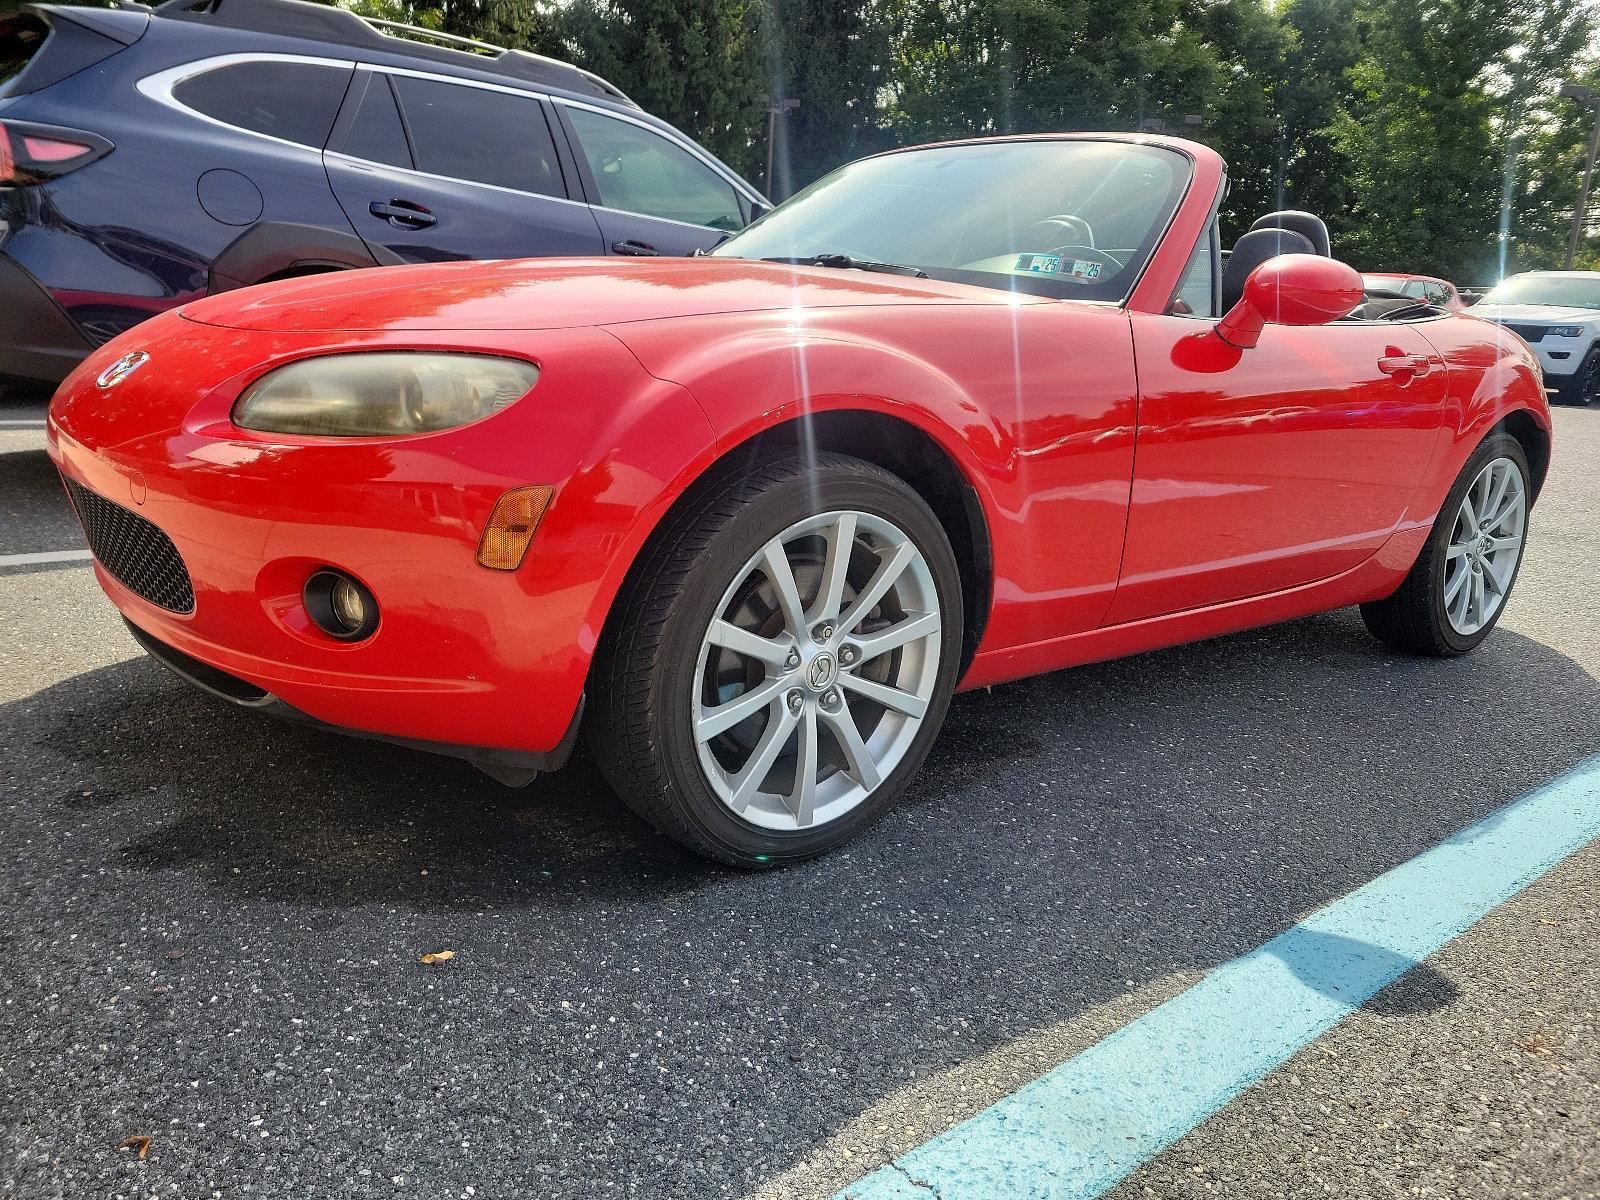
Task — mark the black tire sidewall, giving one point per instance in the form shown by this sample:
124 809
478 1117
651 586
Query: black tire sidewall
673 678
1498 446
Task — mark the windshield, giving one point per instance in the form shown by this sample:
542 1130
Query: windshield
1074 219
1560 291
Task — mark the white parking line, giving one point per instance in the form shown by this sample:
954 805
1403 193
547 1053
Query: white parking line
9 424
49 556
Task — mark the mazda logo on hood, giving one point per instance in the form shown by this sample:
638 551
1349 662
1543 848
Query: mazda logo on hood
122 368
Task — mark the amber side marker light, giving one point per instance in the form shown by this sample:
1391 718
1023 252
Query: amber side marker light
511 527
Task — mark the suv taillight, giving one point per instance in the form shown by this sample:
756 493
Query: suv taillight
31 153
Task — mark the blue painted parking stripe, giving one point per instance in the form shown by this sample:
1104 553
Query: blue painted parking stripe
1077 1130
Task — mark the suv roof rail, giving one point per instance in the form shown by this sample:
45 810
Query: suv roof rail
341 27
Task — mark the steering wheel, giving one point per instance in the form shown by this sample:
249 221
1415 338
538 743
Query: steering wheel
1077 227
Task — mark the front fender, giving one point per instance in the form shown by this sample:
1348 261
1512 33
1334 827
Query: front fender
749 377
1492 375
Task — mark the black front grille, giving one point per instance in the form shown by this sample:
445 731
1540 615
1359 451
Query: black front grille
1528 333
137 554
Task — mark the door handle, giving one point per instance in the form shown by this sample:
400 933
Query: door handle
1404 367
635 248
403 213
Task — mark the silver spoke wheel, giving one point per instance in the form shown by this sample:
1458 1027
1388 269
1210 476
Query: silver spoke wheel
1485 546
816 670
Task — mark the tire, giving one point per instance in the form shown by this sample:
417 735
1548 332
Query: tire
1585 388
664 672
1427 614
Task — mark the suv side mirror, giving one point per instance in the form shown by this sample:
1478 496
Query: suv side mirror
1291 289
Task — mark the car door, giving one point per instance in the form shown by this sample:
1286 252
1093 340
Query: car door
433 170
1265 469
652 194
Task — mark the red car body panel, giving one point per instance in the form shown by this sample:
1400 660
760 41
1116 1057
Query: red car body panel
1140 482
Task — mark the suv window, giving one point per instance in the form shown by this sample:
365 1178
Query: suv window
376 134
290 100
642 172
20 37
479 135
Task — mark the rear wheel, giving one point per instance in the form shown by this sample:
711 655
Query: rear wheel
1459 585
781 661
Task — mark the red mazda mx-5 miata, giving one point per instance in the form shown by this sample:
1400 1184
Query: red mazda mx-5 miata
951 416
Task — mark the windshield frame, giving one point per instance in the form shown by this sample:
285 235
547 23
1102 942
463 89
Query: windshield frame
1488 298
1041 286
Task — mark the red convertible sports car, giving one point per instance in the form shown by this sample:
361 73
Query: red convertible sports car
745 522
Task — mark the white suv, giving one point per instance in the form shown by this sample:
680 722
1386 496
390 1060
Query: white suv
1558 314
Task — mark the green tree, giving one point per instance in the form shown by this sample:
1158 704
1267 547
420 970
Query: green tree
1243 115
1323 48
1420 135
696 63
833 57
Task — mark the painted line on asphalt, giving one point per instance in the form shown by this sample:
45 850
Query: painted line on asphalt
47 557
21 424
1080 1128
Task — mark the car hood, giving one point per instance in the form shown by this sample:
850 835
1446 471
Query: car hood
561 293
1535 314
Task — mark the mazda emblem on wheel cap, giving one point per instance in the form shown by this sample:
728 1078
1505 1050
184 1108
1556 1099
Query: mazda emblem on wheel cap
122 368
821 671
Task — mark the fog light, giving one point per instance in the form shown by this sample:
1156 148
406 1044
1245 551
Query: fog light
341 606
511 527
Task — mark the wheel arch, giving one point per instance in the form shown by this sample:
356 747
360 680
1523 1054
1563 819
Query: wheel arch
282 249
1534 440
891 442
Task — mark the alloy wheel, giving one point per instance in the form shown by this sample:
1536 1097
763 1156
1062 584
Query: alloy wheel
817 670
1485 546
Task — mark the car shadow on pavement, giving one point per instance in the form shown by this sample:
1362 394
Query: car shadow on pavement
1072 837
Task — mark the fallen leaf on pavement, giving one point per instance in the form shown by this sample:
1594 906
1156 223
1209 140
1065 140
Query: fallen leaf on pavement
438 956
139 1142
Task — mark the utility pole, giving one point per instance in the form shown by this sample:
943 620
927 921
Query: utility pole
775 109
1580 215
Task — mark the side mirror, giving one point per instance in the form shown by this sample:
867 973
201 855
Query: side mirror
1291 289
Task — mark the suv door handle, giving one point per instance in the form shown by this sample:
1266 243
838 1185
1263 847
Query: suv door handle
1404 367
403 213
635 247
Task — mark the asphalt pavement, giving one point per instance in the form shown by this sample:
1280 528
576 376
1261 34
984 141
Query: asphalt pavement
211 924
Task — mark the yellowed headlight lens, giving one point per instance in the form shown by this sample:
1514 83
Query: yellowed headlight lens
511 527
382 393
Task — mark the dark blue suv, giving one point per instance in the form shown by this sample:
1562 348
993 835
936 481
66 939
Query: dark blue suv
150 156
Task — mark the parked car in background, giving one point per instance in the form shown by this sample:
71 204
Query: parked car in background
1558 314
951 416
1441 293
149 157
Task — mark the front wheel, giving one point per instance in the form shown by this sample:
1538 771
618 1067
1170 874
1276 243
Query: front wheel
781 660
1459 585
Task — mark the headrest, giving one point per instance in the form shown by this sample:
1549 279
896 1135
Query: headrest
1253 249
1303 223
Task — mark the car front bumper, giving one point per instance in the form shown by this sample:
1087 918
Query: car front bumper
514 768
462 656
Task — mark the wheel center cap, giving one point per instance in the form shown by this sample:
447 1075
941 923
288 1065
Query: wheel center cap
821 671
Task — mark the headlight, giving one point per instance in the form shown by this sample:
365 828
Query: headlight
382 394
1567 331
